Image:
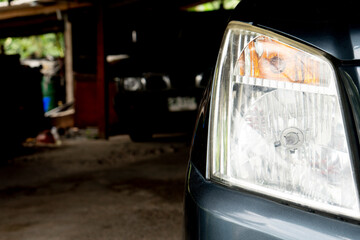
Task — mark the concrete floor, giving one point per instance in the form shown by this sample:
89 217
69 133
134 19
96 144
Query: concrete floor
95 189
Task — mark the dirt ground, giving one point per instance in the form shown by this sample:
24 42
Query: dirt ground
95 189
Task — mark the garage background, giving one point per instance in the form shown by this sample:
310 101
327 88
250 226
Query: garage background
94 31
68 169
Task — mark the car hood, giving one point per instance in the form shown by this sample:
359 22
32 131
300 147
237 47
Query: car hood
330 26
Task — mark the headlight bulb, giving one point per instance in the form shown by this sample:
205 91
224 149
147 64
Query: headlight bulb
292 138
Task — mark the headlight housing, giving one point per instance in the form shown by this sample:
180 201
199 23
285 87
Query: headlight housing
276 123
149 81
134 83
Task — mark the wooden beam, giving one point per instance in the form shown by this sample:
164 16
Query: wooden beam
27 10
28 26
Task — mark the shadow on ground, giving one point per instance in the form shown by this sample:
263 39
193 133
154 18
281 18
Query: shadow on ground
95 189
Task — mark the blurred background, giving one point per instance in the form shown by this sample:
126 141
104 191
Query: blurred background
99 102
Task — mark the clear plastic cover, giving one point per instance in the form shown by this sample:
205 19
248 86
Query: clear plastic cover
276 125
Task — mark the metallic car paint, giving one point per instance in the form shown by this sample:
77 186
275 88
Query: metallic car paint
216 212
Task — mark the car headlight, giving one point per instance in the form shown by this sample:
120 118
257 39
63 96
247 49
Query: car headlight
133 83
276 123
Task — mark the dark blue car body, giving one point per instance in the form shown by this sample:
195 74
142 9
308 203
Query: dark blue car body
214 211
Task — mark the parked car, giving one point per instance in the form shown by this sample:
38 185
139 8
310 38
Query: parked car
275 154
150 102
161 81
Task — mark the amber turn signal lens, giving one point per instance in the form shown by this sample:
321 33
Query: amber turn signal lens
269 59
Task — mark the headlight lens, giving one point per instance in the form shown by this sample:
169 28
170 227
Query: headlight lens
133 84
276 125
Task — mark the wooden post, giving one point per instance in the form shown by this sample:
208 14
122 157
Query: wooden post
102 85
69 76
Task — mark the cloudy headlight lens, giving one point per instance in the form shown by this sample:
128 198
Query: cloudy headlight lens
276 124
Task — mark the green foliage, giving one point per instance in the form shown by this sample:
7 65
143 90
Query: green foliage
41 46
214 5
